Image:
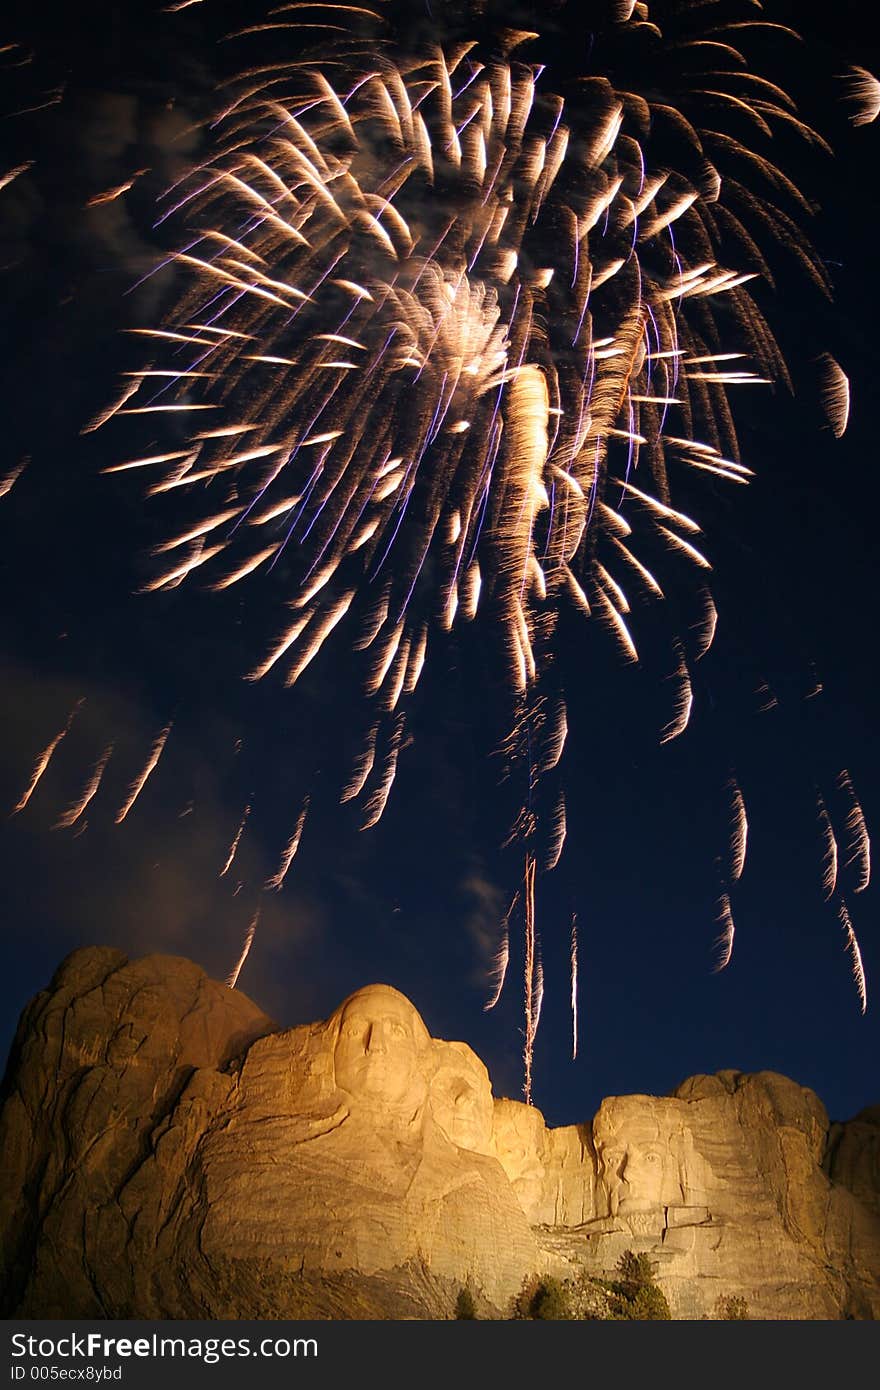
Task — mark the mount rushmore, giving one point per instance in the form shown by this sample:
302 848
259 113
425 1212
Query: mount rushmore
170 1152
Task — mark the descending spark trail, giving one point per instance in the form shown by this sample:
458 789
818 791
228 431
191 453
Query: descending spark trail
109 195
863 90
11 174
12 477
684 700
140 782
830 851
768 699
232 978
44 759
533 977
574 988
235 841
835 394
498 972
859 847
852 946
728 931
739 834
707 628
276 882
76 808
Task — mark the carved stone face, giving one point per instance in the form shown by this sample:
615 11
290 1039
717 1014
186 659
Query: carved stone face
519 1138
380 1056
634 1176
461 1097
637 1166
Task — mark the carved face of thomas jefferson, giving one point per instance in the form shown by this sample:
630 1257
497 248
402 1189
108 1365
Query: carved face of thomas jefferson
381 1051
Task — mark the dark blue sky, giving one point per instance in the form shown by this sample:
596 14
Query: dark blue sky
416 901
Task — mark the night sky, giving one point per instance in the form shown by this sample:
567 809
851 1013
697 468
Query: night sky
418 901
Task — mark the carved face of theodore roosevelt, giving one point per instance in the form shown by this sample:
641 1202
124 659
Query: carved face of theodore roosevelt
381 1051
461 1096
520 1138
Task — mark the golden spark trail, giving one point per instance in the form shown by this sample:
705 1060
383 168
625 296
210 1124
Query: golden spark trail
12 477
852 946
640 569
501 960
232 977
829 851
111 194
139 783
705 630
619 626
235 839
44 759
11 174
532 992
573 959
276 882
129 389
859 847
835 395
768 698
679 543
739 831
557 825
724 942
684 700
286 641
863 90
377 802
76 809
362 768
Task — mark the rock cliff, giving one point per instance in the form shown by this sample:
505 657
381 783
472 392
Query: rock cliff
170 1152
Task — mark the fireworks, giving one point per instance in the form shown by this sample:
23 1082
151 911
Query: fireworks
12 477
465 311
140 782
863 92
44 759
739 831
276 882
454 327
232 980
830 851
684 700
573 961
236 839
835 394
11 174
78 806
724 941
852 946
859 847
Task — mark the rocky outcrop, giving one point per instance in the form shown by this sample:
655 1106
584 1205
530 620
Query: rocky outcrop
171 1153
99 1063
853 1157
721 1185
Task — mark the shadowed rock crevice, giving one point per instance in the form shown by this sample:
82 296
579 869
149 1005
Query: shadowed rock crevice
171 1153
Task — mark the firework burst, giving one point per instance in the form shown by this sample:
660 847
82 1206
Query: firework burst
455 326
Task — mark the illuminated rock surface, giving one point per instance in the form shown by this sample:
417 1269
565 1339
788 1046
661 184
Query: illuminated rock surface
170 1153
